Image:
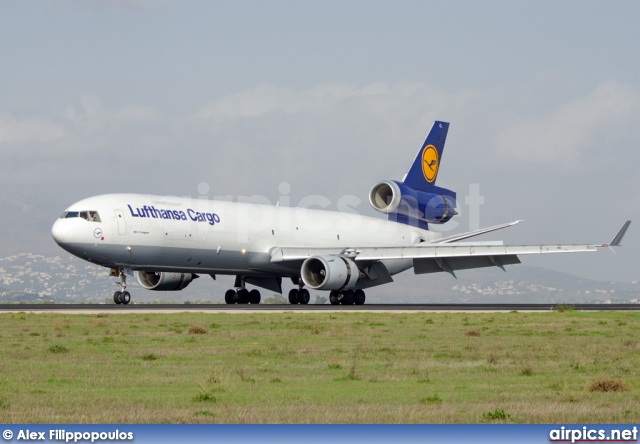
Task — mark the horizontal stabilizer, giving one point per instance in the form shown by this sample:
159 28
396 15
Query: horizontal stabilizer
468 234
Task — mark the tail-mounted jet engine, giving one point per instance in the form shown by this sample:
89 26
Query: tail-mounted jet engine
329 272
162 281
401 202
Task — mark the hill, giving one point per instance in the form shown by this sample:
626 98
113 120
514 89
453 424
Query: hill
29 277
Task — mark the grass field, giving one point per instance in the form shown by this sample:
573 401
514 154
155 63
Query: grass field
556 367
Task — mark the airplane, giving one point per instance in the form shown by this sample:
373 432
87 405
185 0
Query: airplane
167 242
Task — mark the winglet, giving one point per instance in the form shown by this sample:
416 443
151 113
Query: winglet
616 242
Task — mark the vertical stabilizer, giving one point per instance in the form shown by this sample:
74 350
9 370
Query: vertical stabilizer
424 171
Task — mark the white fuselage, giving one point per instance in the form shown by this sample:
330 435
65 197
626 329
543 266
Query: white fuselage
156 233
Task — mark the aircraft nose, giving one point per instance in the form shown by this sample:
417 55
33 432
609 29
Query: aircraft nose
57 232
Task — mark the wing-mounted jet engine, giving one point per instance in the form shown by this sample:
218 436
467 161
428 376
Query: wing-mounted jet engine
163 281
330 272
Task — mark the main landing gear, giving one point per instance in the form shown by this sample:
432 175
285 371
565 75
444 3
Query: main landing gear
347 297
299 296
241 295
122 297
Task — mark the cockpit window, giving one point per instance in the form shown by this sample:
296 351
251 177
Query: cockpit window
91 216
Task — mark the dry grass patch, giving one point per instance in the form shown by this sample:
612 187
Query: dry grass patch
197 330
608 385
472 332
526 370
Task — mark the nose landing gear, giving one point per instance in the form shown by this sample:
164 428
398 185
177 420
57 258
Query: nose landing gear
122 297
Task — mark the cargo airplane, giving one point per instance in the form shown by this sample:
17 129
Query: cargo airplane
167 242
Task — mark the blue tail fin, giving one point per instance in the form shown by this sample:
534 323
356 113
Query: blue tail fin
423 173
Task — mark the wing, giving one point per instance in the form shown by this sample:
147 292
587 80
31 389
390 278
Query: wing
431 259
286 254
442 256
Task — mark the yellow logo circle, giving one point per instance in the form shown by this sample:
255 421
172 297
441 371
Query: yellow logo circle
430 163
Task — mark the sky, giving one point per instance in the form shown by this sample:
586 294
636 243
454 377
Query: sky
286 99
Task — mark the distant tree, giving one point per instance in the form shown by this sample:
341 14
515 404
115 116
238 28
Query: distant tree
320 300
275 299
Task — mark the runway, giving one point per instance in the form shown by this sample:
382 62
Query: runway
133 308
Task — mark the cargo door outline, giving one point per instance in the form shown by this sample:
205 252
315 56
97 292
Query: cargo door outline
122 226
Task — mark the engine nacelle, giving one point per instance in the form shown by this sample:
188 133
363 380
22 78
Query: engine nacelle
395 198
162 281
329 272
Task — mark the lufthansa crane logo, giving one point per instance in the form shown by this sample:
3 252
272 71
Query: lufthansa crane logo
430 163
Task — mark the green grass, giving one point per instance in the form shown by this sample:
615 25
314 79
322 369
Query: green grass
497 414
555 367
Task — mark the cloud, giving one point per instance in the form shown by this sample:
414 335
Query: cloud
332 138
263 99
560 137
117 5
31 130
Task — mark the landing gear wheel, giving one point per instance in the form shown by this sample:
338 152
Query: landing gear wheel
230 297
359 297
348 298
293 296
304 296
254 297
122 296
334 297
243 296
